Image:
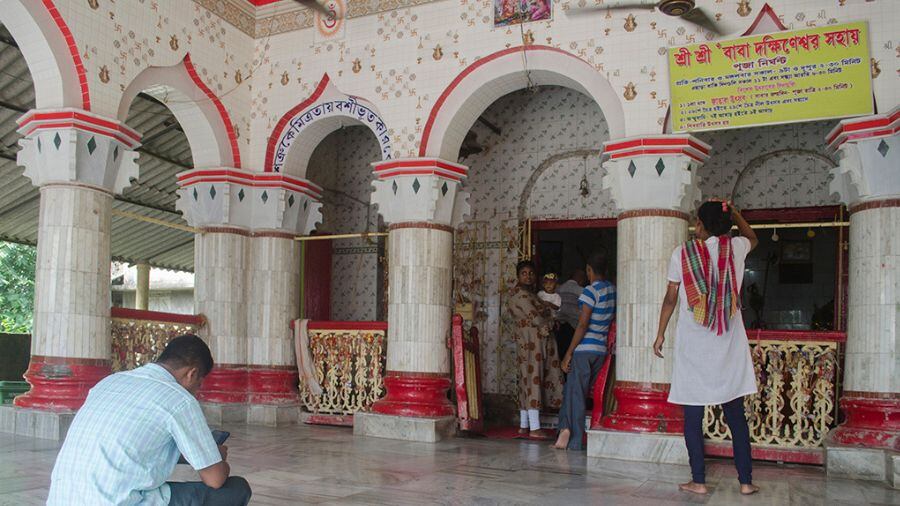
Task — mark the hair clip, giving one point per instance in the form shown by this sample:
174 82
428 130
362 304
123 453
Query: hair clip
550 275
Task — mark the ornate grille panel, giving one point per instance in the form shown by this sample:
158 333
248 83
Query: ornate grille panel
138 337
798 387
349 365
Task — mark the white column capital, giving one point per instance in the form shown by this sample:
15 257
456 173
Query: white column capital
421 190
250 200
654 172
869 153
76 146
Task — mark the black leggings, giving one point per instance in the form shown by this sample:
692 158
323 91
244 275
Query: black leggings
740 440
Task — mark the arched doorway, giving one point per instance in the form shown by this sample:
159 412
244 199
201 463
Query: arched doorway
529 135
331 139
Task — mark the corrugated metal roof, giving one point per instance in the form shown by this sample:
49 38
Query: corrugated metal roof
164 153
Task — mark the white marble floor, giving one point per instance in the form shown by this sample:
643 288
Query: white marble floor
324 465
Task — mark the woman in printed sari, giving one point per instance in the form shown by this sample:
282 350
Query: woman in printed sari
539 379
712 363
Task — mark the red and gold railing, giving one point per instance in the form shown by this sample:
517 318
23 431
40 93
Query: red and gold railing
138 337
798 374
467 375
348 361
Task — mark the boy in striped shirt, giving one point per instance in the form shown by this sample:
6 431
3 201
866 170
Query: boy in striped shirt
586 353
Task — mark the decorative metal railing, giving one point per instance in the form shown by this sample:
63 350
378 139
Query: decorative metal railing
349 361
467 375
798 373
138 337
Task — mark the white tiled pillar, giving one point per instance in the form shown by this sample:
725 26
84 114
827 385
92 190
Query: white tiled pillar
247 284
868 182
654 184
220 295
421 201
292 210
78 168
274 290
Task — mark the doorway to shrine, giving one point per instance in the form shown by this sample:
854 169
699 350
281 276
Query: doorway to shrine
795 285
535 181
780 177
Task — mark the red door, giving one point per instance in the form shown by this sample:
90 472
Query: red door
317 280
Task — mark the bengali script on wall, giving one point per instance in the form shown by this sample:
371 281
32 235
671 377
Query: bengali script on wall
781 77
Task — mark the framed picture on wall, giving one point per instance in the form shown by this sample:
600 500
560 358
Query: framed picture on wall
513 12
796 252
795 266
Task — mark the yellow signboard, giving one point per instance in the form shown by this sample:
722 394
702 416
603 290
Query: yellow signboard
781 77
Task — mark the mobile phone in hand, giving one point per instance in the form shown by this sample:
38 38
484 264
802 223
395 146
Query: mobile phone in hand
220 436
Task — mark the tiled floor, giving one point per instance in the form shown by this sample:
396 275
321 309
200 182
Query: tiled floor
323 465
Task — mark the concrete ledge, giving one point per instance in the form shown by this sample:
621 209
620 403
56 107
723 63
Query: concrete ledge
636 446
220 414
273 415
857 463
425 430
37 424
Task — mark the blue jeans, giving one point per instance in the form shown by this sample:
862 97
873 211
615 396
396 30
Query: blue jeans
740 440
582 374
235 492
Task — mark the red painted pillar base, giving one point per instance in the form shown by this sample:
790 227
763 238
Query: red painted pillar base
642 407
272 385
415 395
872 421
61 383
225 384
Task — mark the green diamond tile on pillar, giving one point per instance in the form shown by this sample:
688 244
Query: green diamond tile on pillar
883 148
444 189
212 192
195 193
291 201
115 153
264 197
394 187
241 195
632 168
57 140
305 204
660 167
39 144
91 145
416 185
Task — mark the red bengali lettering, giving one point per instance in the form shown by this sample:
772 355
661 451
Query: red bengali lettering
683 57
703 54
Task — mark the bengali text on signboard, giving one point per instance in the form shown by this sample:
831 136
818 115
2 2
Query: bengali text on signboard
776 78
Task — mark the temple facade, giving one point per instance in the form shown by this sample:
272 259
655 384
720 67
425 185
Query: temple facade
446 148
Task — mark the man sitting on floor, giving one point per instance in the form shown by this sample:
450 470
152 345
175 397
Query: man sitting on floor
125 441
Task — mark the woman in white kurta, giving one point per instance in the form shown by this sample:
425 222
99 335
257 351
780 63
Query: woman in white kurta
712 363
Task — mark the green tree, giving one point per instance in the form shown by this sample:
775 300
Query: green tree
17 262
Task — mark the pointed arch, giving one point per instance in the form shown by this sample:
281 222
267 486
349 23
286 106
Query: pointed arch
50 52
204 118
305 125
